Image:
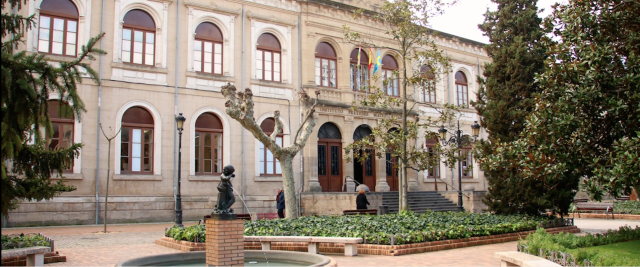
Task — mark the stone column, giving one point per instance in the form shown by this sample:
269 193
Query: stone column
225 240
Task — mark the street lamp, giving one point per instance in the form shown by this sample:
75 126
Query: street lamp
180 123
458 141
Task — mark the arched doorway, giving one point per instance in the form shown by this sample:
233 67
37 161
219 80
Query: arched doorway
392 169
364 172
330 158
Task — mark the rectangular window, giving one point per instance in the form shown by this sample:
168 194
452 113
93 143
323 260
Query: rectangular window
138 47
57 35
61 138
259 65
136 153
269 165
359 77
462 95
322 160
433 171
467 171
217 58
197 55
429 97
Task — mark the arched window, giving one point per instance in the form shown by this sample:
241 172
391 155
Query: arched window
428 93
462 90
433 171
138 38
325 65
136 150
364 172
208 144
269 165
268 55
359 72
58 29
62 120
389 65
207 49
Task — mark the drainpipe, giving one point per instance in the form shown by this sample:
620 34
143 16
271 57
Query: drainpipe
175 107
98 125
242 130
300 112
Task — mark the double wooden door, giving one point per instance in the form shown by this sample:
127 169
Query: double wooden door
330 165
365 172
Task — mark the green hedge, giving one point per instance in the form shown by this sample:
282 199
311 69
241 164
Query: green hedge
23 241
626 207
406 227
575 245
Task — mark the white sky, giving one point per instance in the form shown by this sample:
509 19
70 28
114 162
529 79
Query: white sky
463 18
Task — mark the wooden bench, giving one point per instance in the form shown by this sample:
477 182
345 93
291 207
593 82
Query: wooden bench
35 255
581 200
350 243
607 207
623 198
245 216
360 212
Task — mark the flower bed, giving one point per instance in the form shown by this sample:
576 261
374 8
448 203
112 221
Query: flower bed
568 249
24 241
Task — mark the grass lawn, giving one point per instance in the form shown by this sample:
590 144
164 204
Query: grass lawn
630 249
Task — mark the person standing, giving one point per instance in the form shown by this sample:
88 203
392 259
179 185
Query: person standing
280 203
361 200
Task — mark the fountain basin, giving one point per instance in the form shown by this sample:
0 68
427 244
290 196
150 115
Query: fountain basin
251 258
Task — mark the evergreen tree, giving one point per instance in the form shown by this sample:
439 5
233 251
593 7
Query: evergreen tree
586 122
27 81
505 97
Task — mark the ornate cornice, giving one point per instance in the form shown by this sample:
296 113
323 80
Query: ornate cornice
212 7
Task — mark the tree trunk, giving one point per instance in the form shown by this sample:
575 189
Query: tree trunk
288 181
404 202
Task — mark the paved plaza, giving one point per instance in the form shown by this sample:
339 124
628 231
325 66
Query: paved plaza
88 246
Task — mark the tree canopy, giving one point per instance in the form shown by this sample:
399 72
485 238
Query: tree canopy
27 81
585 126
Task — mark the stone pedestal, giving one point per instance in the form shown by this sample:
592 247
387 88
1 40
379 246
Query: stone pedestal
225 240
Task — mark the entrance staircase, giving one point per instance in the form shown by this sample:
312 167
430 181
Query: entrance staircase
419 202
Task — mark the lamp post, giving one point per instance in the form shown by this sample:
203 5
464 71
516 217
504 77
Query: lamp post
457 140
180 123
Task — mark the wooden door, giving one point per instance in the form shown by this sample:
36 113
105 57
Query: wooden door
392 172
330 165
369 170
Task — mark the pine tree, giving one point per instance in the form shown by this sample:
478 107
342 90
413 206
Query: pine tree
27 81
505 97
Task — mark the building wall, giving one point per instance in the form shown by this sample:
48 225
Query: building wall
172 86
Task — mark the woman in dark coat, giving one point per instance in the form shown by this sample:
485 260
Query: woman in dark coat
280 203
361 200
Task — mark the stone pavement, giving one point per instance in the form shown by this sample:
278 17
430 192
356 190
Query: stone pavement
87 246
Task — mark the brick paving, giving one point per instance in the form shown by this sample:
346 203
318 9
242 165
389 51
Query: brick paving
86 246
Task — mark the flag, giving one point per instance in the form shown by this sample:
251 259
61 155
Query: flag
378 63
359 49
370 57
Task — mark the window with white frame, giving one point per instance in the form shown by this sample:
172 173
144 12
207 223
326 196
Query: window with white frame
359 72
269 165
433 171
136 137
207 49
462 90
62 122
58 28
138 38
268 58
389 66
428 92
325 64
208 145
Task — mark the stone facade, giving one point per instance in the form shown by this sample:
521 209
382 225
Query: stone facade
171 85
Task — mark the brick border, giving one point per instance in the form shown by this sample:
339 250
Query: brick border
49 257
373 249
186 246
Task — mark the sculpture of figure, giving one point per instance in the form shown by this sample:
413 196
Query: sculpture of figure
225 192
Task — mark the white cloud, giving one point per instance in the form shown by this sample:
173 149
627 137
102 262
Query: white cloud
463 18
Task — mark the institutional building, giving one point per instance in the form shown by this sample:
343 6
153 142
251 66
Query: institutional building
166 57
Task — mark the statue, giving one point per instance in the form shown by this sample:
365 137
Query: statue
225 192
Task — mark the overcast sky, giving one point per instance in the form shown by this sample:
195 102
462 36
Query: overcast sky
463 18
